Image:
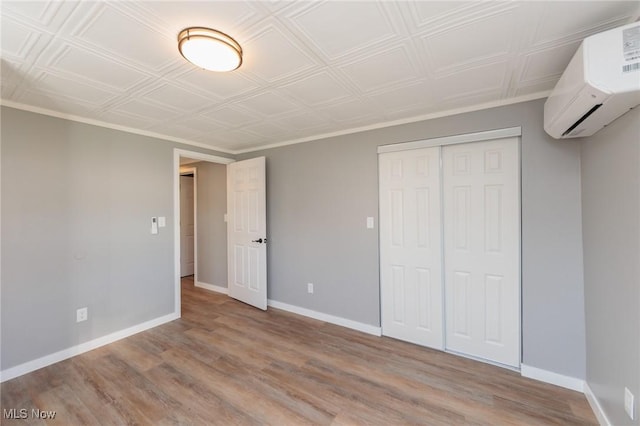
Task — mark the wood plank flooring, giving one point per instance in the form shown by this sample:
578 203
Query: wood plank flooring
226 363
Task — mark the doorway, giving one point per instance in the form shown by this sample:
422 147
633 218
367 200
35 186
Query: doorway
185 164
244 225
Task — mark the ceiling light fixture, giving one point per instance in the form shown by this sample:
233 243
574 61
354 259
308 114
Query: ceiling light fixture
209 49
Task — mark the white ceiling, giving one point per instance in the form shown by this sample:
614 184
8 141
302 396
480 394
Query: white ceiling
310 68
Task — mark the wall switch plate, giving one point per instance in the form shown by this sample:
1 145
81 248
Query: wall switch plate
310 288
162 222
154 225
629 403
82 314
370 222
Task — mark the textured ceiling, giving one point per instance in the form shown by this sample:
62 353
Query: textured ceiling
310 68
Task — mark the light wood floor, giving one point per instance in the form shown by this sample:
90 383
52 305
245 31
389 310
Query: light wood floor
226 363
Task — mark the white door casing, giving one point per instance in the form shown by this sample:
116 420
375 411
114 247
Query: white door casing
481 197
246 229
187 228
410 246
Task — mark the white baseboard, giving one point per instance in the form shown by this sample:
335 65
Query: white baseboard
595 406
557 379
212 287
36 364
355 325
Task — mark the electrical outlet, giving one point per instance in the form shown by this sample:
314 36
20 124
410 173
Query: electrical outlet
310 288
629 403
82 314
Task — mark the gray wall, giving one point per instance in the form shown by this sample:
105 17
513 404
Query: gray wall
212 229
77 201
611 229
319 194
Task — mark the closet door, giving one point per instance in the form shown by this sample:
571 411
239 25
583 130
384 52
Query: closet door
482 249
410 246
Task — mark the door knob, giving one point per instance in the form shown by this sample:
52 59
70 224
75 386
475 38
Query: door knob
260 240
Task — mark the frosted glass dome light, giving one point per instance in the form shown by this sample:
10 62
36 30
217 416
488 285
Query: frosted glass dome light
209 49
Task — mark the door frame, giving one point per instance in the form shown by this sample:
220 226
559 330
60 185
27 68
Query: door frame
454 140
177 153
186 171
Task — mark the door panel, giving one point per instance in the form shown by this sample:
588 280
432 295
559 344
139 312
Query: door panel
247 253
482 249
410 246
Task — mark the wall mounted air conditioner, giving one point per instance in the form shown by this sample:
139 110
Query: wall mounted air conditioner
601 83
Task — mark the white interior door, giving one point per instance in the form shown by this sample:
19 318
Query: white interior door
410 246
247 231
187 235
482 249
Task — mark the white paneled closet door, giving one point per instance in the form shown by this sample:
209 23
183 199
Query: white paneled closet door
410 246
482 249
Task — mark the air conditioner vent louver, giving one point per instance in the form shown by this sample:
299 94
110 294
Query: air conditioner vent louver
584 117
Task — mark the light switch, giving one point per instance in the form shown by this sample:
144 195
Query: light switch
154 225
162 222
369 223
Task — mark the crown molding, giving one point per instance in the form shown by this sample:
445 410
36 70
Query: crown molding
99 123
414 119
